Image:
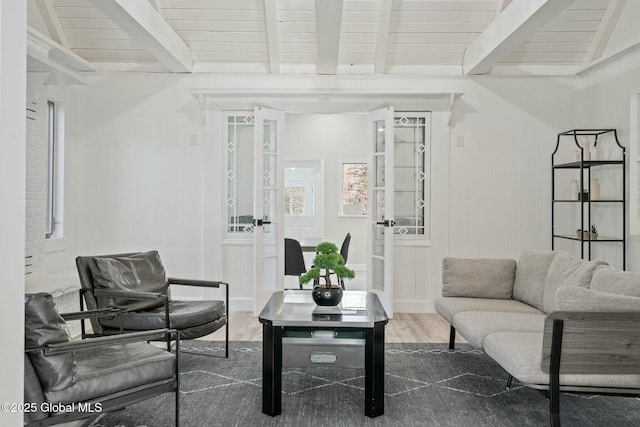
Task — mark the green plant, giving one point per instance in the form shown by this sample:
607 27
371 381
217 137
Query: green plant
594 229
327 258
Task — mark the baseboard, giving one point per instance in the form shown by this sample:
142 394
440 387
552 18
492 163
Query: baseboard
413 306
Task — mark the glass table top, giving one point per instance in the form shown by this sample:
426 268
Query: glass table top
296 308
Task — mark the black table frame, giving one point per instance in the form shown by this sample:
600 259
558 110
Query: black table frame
272 366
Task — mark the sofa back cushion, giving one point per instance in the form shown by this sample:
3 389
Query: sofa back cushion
565 269
141 272
611 280
478 278
43 325
575 298
531 275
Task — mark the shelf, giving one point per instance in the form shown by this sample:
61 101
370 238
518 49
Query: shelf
586 201
599 239
587 164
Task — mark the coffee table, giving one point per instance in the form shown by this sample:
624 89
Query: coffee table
350 335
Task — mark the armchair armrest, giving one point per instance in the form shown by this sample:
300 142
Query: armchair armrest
137 295
91 314
199 283
69 346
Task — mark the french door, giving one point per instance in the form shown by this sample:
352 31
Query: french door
380 211
268 202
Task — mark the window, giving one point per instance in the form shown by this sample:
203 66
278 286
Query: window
353 199
54 189
239 172
299 185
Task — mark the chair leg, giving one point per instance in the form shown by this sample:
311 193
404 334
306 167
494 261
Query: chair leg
452 338
509 380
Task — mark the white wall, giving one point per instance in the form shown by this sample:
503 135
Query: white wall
12 194
334 138
144 177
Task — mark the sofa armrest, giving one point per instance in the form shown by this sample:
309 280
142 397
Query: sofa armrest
587 342
478 277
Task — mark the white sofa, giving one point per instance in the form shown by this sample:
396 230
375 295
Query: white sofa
552 321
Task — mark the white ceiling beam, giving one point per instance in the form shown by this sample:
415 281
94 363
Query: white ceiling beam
598 63
55 52
382 43
605 29
328 25
517 23
158 6
273 41
52 22
144 24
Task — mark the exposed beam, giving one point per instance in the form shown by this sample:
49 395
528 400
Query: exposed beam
272 35
144 24
328 24
608 23
518 22
382 43
52 22
55 52
609 58
158 6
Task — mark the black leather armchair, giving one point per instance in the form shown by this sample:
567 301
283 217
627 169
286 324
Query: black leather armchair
68 380
136 284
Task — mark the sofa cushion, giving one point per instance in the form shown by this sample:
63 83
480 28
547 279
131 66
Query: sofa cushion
42 326
475 326
611 280
520 354
478 278
575 298
531 274
141 272
448 307
565 269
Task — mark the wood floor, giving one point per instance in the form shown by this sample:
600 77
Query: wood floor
404 327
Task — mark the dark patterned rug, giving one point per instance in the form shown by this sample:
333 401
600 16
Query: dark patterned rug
425 385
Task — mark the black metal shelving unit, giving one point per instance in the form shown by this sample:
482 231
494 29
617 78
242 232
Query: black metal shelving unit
585 168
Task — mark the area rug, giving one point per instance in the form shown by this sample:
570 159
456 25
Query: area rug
425 385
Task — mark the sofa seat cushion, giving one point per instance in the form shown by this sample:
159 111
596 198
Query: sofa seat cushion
565 269
575 298
109 369
183 314
478 278
520 354
475 326
531 275
611 280
448 307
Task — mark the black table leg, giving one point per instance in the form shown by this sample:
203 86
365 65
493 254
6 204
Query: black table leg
271 369
374 371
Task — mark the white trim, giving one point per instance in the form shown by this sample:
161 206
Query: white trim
634 158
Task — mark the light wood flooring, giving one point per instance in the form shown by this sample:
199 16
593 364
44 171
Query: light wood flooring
404 327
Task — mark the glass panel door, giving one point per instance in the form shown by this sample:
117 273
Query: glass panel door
380 207
268 203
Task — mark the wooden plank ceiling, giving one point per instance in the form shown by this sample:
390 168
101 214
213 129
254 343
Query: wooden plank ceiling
361 37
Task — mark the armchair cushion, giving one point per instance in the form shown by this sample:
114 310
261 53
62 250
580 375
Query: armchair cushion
138 272
575 298
478 278
565 269
183 314
108 369
611 280
43 325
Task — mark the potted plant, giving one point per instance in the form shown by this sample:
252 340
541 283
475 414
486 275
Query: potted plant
582 234
593 232
326 262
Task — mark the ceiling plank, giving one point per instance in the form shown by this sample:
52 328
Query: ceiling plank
518 22
52 22
143 23
273 41
328 25
382 43
605 29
